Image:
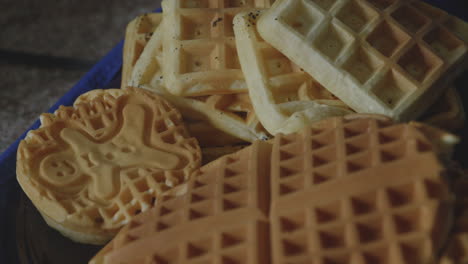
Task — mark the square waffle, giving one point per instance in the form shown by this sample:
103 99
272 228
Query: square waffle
388 57
231 113
137 34
364 205
285 98
200 56
187 229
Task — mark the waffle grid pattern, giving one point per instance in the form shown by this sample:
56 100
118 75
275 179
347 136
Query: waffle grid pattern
283 87
205 46
388 63
235 109
140 186
217 193
391 223
394 218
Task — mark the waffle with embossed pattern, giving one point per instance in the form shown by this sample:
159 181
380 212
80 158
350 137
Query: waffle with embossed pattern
231 113
285 98
137 34
375 193
222 218
92 167
388 57
200 55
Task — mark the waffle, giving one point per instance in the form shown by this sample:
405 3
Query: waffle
285 98
200 56
448 113
357 189
374 190
213 142
388 57
92 167
230 113
222 218
138 33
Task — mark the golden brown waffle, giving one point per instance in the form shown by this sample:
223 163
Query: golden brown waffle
388 57
92 167
222 218
375 193
200 56
137 34
357 189
231 113
447 113
285 98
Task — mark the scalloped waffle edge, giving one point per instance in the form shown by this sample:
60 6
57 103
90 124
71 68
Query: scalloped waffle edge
90 168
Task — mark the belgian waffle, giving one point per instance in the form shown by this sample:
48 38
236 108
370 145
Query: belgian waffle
137 34
231 113
222 218
388 57
200 56
90 168
285 98
356 189
364 203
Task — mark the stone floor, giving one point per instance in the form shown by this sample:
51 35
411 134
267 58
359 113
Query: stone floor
45 48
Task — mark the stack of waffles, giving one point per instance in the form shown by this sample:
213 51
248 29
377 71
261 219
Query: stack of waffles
279 66
339 191
210 83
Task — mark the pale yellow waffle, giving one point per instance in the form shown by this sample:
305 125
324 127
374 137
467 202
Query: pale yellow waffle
447 113
358 190
222 218
213 142
200 56
92 167
388 57
285 98
231 113
137 34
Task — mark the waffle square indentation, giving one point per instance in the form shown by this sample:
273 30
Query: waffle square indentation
197 59
443 42
409 18
332 41
197 26
301 17
356 15
277 63
393 88
387 39
420 63
362 65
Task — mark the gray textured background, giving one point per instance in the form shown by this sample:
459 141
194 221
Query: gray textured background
39 39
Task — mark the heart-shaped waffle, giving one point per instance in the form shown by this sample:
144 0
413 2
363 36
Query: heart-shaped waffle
92 167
